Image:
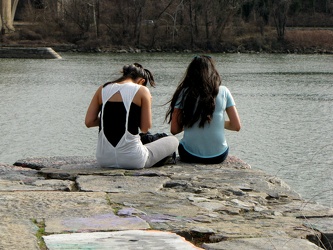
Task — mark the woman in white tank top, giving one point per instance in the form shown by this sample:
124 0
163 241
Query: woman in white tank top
121 108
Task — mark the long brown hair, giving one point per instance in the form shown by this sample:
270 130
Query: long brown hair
197 90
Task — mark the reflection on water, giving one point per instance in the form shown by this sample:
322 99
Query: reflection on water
284 101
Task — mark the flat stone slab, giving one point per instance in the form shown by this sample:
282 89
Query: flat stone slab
321 224
25 52
99 222
36 185
51 204
55 162
17 233
19 209
263 244
120 184
304 209
126 240
14 178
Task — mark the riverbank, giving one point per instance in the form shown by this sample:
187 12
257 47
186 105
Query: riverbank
11 51
60 202
242 48
298 40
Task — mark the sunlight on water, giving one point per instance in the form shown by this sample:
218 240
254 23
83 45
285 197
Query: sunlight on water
285 103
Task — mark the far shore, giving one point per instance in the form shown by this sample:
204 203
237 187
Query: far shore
130 49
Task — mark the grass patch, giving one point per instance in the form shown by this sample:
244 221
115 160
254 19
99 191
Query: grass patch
307 38
40 233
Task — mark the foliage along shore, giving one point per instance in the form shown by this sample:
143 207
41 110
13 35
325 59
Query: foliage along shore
129 49
259 26
297 41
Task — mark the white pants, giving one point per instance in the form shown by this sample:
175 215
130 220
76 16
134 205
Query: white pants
160 149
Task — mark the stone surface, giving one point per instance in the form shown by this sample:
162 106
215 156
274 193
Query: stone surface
119 184
222 206
263 244
323 225
125 240
100 222
21 179
17 233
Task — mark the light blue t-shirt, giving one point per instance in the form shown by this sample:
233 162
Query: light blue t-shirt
209 141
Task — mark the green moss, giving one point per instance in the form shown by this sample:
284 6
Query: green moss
115 206
40 233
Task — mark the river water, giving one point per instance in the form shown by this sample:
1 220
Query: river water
285 103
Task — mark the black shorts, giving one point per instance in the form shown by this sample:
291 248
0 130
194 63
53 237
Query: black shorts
187 157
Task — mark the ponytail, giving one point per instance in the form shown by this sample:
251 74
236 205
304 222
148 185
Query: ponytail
135 71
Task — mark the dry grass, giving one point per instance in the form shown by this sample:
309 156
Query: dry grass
307 38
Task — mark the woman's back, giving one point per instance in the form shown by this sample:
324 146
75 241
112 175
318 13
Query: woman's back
209 140
124 149
126 108
114 129
198 108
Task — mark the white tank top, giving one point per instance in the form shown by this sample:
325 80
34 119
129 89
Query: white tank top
129 153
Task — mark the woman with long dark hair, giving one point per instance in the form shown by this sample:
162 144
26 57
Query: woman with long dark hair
121 108
198 108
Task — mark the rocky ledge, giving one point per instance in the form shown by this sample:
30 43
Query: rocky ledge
70 203
28 52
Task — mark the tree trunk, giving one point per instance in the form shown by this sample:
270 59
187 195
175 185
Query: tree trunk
208 22
6 16
191 24
14 6
280 10
138 22
155 27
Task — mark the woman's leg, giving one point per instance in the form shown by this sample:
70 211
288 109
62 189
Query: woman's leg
160 149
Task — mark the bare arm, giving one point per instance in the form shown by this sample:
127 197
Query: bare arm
92 119
175 126
234 123
146 116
